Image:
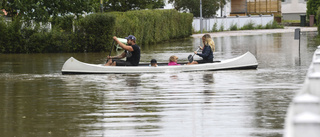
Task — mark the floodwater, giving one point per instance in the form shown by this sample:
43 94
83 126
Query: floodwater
36 100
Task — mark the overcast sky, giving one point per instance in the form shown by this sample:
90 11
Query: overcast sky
168 6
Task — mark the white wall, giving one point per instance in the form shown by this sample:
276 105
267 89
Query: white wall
294 6
291 9
229 21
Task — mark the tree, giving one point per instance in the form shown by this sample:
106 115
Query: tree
42 10
312 7
126 5
209 7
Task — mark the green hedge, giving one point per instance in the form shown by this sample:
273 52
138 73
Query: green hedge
97 31
152 26
318 18
94 32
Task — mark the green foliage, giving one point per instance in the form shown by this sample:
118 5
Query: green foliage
273 25
318 18
221 27
312 7
151 26
290 21
248 26
63 22
3 32
42 10
94 32
259 27
127 5
12 38
209 7
97 30
234 26
215 27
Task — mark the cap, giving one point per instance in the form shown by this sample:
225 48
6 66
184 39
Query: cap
153 61
131 37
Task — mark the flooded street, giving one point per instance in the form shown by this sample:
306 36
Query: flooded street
36 100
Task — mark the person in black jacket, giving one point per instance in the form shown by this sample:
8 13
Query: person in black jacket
207 50
131 51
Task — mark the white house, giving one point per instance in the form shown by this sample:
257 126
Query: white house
292 9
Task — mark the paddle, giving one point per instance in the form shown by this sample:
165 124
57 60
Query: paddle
111 48
190 57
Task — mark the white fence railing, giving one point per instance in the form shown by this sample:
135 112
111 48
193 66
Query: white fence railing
303 115
227 22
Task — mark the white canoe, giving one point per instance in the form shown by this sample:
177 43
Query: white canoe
245 61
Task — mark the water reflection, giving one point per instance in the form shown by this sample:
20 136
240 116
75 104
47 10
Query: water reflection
124 106
208 79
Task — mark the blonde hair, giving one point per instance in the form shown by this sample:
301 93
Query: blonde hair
172 58
209 41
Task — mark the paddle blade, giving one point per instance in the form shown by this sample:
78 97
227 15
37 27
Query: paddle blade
190 58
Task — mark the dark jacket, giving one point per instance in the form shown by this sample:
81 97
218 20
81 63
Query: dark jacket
207 54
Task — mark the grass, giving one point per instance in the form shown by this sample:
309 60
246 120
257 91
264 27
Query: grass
290 21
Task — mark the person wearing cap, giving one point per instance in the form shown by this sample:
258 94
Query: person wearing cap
153 63
131 51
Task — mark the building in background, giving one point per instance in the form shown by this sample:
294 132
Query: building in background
292 9
255 7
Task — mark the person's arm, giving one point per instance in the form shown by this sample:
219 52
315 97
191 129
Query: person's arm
122 55
205 52
123 46
200 47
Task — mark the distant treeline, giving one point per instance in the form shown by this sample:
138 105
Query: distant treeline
94 32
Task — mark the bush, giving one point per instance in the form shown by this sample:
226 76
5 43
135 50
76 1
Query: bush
318 18
312 7
221 27
215 27
12 41
94 32
64 23
234 27
3 32
273 25
152 26
249 26
97 30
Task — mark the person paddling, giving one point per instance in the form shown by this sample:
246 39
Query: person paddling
207 50
131 51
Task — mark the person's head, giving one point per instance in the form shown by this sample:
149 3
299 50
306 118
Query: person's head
173 58
207 41
205 38
153 62
131 40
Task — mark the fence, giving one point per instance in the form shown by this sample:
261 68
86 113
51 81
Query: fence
227 22
303 115
263 6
